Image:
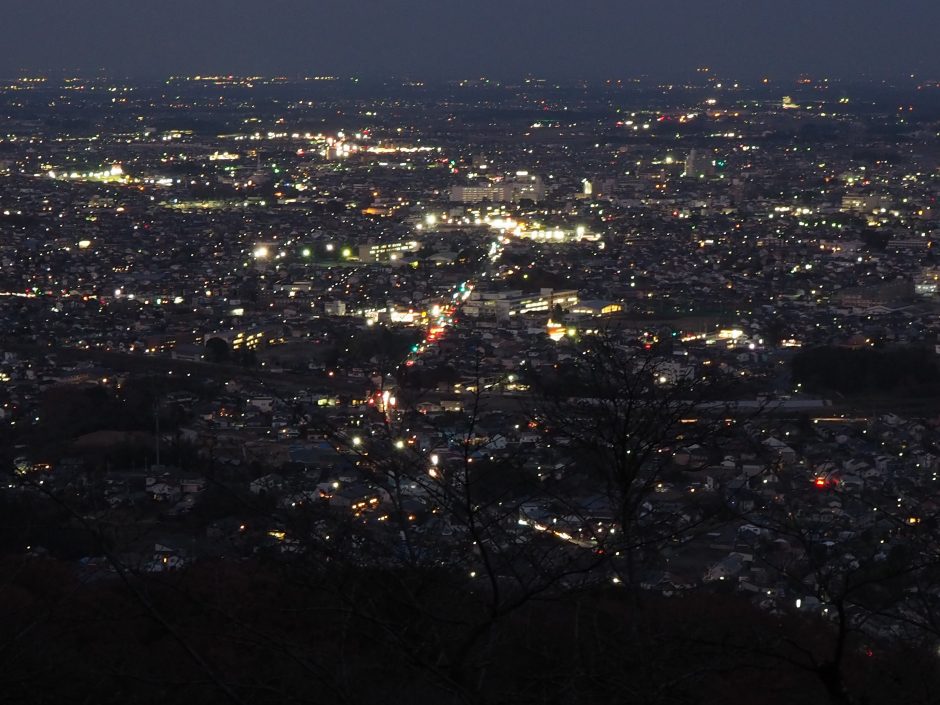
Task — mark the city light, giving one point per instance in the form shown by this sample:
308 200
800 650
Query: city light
672 335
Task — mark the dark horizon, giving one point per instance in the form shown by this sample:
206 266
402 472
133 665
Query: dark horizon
435 41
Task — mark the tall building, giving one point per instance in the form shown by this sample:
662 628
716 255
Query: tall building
527 185
523 185
479 192
864 203
380 251
699 164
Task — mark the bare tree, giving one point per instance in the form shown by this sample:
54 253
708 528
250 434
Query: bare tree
621 413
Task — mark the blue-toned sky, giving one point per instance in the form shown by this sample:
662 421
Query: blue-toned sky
461 38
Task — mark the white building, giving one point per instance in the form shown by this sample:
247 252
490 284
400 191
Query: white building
505 304
523 185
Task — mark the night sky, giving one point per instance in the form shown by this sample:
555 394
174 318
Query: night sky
468 38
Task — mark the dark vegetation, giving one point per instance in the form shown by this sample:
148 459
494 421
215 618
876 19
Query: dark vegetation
902 371
252 632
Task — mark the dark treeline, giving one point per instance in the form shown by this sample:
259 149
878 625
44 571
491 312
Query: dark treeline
911 371
259 632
